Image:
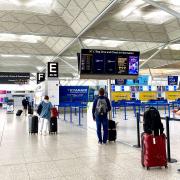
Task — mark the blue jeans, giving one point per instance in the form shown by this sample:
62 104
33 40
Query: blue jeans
104 122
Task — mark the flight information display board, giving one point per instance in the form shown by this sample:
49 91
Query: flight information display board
104 63
172 80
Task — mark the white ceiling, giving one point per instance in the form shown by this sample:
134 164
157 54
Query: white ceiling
34 32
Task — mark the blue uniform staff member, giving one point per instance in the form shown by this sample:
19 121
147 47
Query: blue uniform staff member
101 107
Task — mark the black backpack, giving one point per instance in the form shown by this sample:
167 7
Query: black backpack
152 122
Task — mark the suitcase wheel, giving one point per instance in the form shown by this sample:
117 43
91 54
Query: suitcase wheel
166 166
147 168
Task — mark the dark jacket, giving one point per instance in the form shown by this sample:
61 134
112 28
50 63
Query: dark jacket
25 103
95 104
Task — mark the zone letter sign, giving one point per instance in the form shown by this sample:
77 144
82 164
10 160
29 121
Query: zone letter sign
40 77
53 69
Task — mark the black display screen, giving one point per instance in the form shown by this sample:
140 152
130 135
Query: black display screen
109 62
14 77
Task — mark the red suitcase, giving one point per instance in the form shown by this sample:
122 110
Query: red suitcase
54 112
153 151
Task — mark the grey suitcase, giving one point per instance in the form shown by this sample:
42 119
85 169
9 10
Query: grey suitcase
33 124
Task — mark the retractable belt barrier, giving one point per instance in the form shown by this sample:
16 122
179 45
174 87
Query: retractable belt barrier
80 112
170 160
140 105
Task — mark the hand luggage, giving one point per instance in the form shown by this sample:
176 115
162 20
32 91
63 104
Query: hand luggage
19 112
33 124
153 151
152 122
39 109
53 125
30 109
54 112
112 131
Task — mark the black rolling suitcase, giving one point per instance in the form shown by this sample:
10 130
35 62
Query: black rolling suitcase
19 112
112 131
30 109
33 124
53 125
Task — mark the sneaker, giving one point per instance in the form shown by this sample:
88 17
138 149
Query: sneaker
99 142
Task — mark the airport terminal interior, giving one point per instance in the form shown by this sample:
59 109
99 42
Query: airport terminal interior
63 62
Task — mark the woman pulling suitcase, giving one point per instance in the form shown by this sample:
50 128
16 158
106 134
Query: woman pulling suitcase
45 114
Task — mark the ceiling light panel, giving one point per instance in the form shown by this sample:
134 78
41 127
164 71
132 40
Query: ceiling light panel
20 38
38 6
172 4
102 43
138 11
11 55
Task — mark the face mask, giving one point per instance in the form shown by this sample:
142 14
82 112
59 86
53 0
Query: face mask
46 101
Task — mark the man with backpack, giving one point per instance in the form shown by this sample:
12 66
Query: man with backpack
101 107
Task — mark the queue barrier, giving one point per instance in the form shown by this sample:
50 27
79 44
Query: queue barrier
140 105
77 107
168 119
126 103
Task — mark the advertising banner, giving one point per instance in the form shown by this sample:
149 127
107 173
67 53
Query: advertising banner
141 80
172 95
73 94
148 95
116 96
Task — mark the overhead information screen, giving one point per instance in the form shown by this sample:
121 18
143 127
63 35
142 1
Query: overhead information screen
109 64
14 77
172 80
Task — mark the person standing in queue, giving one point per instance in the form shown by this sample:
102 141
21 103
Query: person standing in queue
45 114
25 104
101 107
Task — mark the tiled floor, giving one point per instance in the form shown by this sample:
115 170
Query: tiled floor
73 154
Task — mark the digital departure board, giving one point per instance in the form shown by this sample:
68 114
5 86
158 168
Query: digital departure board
172 80
103 63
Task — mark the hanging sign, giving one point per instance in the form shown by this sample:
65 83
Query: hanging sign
40 77
53 70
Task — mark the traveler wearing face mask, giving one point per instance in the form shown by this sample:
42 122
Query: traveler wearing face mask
45 114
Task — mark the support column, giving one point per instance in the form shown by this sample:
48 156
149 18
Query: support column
109 96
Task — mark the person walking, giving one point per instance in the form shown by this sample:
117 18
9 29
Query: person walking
101 107
25 104
45 114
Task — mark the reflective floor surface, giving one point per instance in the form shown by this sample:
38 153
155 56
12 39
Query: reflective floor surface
73 154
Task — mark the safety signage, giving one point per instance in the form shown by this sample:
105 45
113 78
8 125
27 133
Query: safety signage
148 95
172 95
116 96
53 69
40 77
